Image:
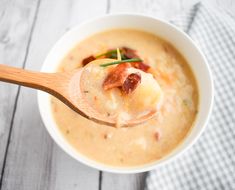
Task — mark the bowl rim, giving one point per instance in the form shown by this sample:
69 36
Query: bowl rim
139 168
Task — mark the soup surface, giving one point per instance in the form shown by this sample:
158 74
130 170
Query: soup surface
147 142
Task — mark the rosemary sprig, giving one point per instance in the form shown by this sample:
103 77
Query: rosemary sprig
122 61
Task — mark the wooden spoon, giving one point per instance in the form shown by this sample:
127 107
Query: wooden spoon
64 86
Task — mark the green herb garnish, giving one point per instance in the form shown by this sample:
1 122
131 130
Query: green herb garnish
111 52
122 61
119 57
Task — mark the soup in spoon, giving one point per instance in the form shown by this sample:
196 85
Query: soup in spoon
116 89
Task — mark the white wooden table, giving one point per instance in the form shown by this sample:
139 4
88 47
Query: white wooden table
29 159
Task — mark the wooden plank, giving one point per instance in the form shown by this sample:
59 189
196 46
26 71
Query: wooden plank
123 181
34 161
161 9
16 19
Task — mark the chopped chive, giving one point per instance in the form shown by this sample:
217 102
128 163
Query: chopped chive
122 61
106 53
119 57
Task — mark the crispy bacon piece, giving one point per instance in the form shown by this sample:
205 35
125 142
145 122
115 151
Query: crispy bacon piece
131 82
129 53
140 65
88 60
157 135
116 77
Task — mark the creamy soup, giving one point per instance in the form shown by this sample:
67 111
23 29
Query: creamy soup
174 84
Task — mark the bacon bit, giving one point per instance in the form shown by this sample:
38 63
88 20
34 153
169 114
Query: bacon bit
88 60
105 136
140 65
108 135
129 53
131 83
116 77
157 135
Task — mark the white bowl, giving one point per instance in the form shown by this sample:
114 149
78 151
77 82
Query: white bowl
161 28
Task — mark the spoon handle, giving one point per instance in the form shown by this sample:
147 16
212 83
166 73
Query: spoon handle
37 80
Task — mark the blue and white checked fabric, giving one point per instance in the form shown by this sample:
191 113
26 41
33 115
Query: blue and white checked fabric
210 163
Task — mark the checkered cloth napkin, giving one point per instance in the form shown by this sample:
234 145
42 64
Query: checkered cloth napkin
210 163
